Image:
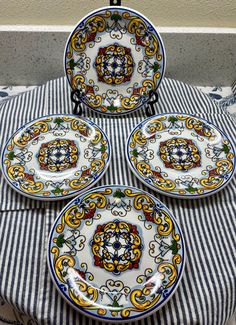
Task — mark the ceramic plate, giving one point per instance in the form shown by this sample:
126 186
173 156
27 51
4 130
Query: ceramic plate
116 253
181 155
55 156
114 57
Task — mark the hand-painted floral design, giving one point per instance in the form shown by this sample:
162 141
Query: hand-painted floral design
118 205
180 154
159 248
81 63
146 243
73 241
23 156
58 155
115 294
124 50
161 148
144 152
117 27
114 64
117 247
146 67
55 156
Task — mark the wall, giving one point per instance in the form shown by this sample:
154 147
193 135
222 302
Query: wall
199 56
212 13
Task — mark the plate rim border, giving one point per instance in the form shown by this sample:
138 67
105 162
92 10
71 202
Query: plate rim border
108 319
54 198
179 196
160 42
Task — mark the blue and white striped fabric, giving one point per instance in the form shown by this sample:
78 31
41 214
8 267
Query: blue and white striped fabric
206 294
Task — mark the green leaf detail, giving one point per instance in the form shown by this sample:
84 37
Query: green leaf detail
60 240
57 190
103 148
11 155
191 189
116 304
174 247
119 194
172 119
111 107
225 148
116 17
135 153
58 120
156 66
72 64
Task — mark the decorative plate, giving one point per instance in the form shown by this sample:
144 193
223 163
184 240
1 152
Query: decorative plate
181 155
55 156
114 57
116 253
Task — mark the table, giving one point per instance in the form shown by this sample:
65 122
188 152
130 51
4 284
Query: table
207 291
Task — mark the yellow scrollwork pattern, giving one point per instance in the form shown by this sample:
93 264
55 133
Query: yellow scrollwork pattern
73 216
92 26
109 261
138 27
18 156
214 180
212 177
140 298
86 297
160 182
36 129
140 306
198 126
90 34
26 181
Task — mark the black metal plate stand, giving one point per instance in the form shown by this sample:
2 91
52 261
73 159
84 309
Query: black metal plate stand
153 98
75 94
115 2
75 98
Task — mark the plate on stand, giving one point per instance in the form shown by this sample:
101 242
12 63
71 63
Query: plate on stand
55 157
114 57
181 155
116 253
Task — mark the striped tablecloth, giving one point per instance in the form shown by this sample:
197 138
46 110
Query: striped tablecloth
207 291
